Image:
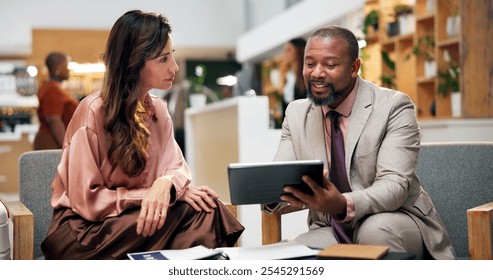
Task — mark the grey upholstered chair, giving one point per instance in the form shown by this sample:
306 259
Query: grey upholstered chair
32 215
36 171
459 178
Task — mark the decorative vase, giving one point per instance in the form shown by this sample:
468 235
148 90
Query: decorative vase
430 6
407 24
198 100
456 103
430 68
453 24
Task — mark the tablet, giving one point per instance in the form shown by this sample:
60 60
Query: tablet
259 183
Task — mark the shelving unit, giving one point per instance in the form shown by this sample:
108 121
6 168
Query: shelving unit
400 73
468 48
272 86
426 86
82 84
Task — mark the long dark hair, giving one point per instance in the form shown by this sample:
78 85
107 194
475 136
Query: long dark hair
135 38
299 45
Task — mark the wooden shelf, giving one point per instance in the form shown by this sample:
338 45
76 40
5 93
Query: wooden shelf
397 38
469 49
448 42
425 80
426 17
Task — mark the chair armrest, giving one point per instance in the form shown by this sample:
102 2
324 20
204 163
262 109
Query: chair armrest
232 208
479 232
23 230
271 224
271 227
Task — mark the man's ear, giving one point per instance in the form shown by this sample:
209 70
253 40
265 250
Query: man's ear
355 67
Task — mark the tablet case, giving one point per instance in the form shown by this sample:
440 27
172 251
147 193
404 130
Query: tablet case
259 183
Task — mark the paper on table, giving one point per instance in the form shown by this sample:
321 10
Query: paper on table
277 251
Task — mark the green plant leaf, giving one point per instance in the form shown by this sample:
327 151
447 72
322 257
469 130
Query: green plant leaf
448 79
387 60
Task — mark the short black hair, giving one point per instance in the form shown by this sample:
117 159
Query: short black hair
53 59
334 31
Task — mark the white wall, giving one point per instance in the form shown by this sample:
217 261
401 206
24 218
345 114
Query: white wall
301 20
196 23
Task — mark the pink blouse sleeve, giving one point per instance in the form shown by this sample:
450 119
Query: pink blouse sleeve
172 164
165 160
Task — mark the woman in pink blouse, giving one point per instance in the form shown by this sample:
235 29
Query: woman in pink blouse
123 184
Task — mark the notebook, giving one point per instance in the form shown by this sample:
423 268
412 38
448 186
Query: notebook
354 251
259 183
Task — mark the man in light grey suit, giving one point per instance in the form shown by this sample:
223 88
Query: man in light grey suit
386 204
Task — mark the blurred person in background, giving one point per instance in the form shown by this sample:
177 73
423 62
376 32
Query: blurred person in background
294 85
56 106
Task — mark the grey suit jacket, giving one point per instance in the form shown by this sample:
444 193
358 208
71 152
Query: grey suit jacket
382 147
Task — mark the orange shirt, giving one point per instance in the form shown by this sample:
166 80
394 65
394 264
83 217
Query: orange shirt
54 101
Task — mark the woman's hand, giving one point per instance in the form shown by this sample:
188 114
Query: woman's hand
200 198
154 207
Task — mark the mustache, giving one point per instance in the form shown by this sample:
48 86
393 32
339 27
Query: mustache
318 81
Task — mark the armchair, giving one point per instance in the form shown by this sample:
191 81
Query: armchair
31 215
458 178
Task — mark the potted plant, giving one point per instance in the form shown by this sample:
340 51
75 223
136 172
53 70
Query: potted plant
430 6
388 77
388 80
425 48
402 9
453 20
371 20
404 14
449 80
448 83
196 87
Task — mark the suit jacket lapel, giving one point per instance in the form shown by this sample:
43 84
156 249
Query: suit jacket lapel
358 118
315 132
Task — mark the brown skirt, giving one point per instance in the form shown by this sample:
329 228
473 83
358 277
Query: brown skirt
72 237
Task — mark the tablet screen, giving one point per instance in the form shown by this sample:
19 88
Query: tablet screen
259 183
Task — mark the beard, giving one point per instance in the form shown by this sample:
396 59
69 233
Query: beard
333 97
